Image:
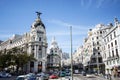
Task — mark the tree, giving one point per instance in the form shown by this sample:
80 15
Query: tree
15 57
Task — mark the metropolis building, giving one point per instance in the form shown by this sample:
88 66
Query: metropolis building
34 42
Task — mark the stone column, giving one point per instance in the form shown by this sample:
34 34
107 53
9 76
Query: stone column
30 49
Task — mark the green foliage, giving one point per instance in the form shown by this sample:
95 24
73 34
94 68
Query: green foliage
14 56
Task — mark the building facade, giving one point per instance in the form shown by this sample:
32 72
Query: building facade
111 49
92 49
33 42
54 57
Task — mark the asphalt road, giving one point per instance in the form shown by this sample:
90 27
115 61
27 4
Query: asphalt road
75 77
12 78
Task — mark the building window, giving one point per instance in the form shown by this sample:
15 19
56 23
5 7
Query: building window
40 48
40 55
105 40
39 38
109 54
98 48
93 44
107 62
92 38
100 32
111 36
33 48
97 43
112 53
113 61
33 38
117 53
108 39
108 46
115 42
114 34
98 53
97 37
111 44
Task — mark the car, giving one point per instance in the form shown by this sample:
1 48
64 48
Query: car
42 76
31 76
68 73
83 73
53 76
5 75
21 77
62 74
90 76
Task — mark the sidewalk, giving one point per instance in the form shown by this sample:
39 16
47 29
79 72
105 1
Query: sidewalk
112 78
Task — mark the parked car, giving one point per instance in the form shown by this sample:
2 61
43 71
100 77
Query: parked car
42 76
21 77
62 74
68 73
31 76
90 76
5 75
83 73
53 76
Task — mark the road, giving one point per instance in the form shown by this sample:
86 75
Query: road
12 78
80 77
75 77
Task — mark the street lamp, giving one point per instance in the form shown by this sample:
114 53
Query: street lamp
71 53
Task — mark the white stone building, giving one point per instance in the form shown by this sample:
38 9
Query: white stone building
34 42
111 48
92 49
77 56
54 57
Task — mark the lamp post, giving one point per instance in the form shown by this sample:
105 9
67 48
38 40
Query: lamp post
71 53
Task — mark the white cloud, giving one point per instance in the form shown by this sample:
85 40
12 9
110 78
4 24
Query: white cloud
62 23
61 33
76 29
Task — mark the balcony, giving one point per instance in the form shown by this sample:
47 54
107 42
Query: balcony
111 57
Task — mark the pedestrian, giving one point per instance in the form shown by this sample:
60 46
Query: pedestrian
109 76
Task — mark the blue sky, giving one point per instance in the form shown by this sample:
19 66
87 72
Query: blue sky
16 17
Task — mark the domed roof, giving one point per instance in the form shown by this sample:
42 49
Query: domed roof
54 43
38 22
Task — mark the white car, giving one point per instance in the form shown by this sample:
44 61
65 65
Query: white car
21 77
90 76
